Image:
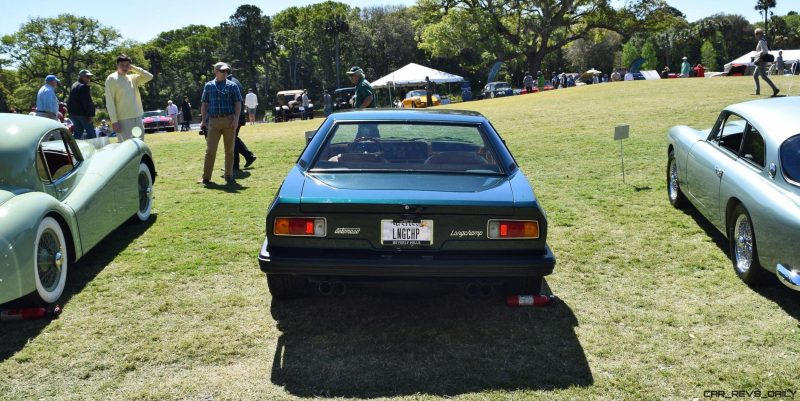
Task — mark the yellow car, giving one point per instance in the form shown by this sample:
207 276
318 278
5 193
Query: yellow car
419 99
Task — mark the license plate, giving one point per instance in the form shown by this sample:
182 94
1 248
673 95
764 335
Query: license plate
407 232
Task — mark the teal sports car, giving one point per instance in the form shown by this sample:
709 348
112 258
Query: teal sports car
405 194
743 175
59 197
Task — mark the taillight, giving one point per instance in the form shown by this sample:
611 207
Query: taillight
513 229
300 226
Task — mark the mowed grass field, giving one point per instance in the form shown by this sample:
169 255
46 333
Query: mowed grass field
651 308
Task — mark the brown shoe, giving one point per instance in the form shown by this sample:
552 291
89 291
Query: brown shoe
203 181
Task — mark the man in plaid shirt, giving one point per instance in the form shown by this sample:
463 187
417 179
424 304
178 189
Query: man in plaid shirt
221 104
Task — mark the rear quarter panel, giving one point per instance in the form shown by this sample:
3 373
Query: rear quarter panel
19 221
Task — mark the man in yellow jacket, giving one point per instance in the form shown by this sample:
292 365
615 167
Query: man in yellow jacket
123 101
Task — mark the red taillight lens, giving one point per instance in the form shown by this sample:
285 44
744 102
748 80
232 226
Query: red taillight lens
502 229
299 226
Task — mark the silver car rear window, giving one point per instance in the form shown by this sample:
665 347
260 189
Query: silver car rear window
790 159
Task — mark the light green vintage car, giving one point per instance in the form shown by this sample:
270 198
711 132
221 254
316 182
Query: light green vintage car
59 197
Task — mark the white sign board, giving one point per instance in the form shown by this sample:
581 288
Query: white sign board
621 132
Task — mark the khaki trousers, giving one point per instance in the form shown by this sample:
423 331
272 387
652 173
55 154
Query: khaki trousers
126 128
219 127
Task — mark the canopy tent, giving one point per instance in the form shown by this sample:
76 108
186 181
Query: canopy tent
789 57
414 74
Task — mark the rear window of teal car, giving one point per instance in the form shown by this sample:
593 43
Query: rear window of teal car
790 159
407 147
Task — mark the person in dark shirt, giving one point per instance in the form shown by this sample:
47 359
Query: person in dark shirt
80 106
186 112
239 148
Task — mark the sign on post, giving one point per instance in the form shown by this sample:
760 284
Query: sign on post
622 132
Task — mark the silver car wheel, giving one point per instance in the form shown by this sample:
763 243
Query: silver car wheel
743 235
673 180
51 260
145 189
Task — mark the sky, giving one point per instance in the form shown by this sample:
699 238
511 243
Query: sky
143 20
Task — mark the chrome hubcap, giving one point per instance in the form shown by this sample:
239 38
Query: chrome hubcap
49 260
145 192
743 237
673 180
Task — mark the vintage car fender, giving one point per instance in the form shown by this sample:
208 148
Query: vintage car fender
775 213
681 139
19 221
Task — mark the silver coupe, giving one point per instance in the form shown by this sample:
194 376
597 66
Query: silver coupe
743 175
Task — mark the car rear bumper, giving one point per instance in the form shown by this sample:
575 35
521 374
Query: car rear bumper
321 262
788 277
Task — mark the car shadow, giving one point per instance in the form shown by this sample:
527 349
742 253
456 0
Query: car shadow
367 345
14 335
771 289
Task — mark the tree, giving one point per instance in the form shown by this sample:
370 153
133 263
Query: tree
335 27
62 45
763 6
509 29
629 54
249 43
649 56
708 56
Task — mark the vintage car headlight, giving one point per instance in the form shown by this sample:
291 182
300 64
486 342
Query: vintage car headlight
513 229
300 226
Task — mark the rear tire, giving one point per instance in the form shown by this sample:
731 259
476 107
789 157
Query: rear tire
744 253
676 197
285 286
50 260
524 286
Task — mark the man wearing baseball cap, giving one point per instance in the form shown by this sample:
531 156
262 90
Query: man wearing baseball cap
46 99
220 106
365 95
81 107
123 100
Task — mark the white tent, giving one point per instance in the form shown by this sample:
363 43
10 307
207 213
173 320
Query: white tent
414 74
789 57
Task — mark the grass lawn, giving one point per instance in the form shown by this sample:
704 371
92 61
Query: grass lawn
178 308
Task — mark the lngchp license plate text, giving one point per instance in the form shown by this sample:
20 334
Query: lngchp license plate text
406 233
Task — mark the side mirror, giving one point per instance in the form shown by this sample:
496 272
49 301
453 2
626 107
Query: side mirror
309 136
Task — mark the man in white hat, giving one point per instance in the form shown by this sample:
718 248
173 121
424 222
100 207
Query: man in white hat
172 112
685 68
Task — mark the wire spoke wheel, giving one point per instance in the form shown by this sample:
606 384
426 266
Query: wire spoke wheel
50 259
743 237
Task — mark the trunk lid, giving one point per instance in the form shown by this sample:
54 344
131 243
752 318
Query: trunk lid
404 193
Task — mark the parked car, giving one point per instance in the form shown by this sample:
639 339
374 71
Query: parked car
157 120
404 193
419 98
289 108
343 98
59 197
743 175
495 89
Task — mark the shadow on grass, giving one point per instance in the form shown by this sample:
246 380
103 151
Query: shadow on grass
771 289
384 345
14 335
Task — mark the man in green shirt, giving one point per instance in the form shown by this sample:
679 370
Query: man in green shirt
365 96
